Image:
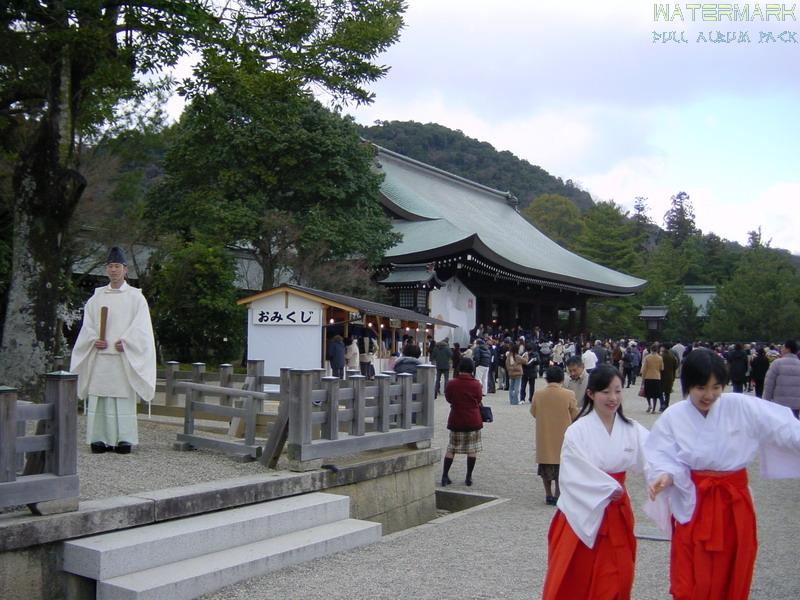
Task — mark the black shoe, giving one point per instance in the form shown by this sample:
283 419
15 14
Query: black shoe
123 448
446 480
551 500
468 482
98 447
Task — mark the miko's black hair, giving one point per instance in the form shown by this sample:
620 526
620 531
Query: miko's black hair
699 366
600 379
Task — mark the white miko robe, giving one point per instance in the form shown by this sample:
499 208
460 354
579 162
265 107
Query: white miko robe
726 439
112 380
588 455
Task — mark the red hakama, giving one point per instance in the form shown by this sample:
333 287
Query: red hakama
712 555
604 572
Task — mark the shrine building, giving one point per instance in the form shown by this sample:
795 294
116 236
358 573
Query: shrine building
467 257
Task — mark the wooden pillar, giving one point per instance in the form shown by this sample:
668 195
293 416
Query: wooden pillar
8 434
61 389
226 381
198 371
299 412
583 323
170 376
330 429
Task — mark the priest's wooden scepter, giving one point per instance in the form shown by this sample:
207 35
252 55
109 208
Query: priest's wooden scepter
103 321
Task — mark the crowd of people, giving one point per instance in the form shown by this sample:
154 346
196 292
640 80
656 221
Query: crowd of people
694 459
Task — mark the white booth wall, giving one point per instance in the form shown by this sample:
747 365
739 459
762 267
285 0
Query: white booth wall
454 303
281 343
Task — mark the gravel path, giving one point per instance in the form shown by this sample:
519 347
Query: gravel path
497 552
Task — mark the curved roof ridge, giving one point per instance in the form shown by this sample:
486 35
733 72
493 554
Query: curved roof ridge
503 195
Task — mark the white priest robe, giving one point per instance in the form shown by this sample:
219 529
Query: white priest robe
109 379
726 439
588 455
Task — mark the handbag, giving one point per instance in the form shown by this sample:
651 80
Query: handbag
641 391
486 413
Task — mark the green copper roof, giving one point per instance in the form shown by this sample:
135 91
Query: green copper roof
439 213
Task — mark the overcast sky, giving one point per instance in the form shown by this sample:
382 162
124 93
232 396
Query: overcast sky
581 89
588 90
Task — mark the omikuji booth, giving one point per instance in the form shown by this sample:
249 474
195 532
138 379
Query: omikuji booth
290 325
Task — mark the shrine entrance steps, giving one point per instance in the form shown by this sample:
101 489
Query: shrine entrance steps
189 557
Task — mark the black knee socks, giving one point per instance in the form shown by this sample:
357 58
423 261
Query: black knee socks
470 465
446 470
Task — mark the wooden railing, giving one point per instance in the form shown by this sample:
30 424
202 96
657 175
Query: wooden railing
319 417
49 481
373 414
240 406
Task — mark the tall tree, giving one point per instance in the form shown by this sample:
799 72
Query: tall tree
761 302
193 304
609 238
557 217
679 219
67 65
261 163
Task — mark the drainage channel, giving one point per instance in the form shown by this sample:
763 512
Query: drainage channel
450 505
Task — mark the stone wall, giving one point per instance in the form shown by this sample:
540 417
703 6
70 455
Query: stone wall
395 488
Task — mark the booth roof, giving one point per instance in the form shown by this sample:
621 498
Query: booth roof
439 213
350 304
653 312
408 274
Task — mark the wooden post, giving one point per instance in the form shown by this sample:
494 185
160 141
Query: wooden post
357 427
8 434
405 380
316 378
276 438
255 369
330 429
170 373
61 389
384 418
324 352
226 381
249 421
299 412
188 412
198 371
426 375
347 383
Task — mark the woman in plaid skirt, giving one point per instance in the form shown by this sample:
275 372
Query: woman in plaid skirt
464 394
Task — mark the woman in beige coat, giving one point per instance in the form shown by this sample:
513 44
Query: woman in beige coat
514 363
652 366
554 409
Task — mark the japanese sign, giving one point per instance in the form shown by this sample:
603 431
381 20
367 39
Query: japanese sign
286 316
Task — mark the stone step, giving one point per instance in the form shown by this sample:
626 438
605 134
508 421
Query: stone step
126 551
194 577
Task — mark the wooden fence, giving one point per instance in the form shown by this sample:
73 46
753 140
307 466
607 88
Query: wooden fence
399 412
320 417
55 477
241 407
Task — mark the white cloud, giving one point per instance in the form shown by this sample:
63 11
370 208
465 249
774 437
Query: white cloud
775 211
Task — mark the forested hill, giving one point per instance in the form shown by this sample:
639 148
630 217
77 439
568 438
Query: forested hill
479 161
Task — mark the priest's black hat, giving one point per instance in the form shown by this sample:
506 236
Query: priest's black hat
116 255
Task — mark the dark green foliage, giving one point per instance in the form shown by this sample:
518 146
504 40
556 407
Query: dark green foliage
557 217
679 219
761 302
193 305
479 161
609 238
615 317
261 163
67 66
